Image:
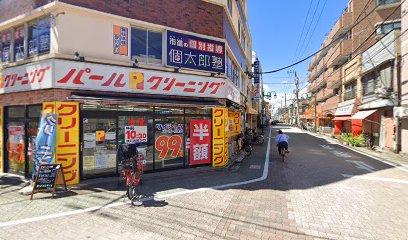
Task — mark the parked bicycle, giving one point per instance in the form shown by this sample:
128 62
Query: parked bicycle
369 139
247 145
254 137
132 173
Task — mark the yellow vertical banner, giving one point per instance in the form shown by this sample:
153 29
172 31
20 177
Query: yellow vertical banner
220 137
237 123
67 140
230 123
1 139
67 147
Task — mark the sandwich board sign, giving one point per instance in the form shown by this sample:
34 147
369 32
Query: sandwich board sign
49 176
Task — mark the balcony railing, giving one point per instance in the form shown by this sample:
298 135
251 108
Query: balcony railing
321 95
318 83
340 53
333 80
343 24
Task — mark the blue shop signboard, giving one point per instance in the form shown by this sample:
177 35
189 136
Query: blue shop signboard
256 72
187 51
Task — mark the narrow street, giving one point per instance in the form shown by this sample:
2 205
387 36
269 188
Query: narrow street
321 191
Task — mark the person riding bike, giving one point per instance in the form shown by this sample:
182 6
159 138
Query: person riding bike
282 141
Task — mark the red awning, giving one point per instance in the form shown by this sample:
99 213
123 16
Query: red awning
341 118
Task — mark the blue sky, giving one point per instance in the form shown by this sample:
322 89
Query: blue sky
276 27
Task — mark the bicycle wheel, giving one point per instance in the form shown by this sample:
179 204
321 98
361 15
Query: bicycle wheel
261 139
282 154
132 189
248 149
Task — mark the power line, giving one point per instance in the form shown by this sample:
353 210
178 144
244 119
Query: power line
308 29
314 29
303 29
323 48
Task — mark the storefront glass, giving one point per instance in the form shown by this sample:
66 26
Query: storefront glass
32 131
138 130
15 147
99 146
169 141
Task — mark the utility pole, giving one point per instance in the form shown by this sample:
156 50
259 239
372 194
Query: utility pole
286 109
297 99
315 114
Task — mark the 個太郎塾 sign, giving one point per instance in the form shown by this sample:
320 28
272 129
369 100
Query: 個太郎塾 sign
187 51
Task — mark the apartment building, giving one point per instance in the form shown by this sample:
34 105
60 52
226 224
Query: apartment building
340 74
116 72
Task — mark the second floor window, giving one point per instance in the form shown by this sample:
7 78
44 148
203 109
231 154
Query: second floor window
385 28
385 2
39 37
350 91
146 46
369 82
19 43
229 5
5 41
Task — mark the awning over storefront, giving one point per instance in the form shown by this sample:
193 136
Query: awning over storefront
341 118
346 108
140 99
251 111
362 114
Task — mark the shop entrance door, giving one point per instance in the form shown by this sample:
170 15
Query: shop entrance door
99 139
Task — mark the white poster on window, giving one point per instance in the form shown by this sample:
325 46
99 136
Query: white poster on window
135 134
110 135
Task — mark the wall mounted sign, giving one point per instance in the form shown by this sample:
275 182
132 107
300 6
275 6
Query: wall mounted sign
192 52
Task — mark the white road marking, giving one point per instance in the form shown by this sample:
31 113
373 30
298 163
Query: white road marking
255 167
398 166
92 209
362 165
341 154
392 180
327 147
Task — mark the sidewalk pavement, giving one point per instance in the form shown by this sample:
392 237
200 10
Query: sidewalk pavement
394 158
103 191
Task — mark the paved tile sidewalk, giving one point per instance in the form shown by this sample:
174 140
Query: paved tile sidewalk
103 191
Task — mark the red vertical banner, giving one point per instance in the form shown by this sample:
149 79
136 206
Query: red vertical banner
200 141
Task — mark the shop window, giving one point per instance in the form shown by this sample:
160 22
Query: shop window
34 111
99 146
162 110
146 46
16 112
204 111
135 108
5 46
39 37
169 142
19 52
15 147
138 130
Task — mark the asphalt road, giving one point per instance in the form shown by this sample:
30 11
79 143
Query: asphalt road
321 191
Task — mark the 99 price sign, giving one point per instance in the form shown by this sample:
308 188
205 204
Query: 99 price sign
135 134
169 146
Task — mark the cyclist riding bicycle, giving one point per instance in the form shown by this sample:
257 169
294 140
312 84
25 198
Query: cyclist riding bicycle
282 141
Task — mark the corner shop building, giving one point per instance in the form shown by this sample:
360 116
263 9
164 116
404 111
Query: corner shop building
98 103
